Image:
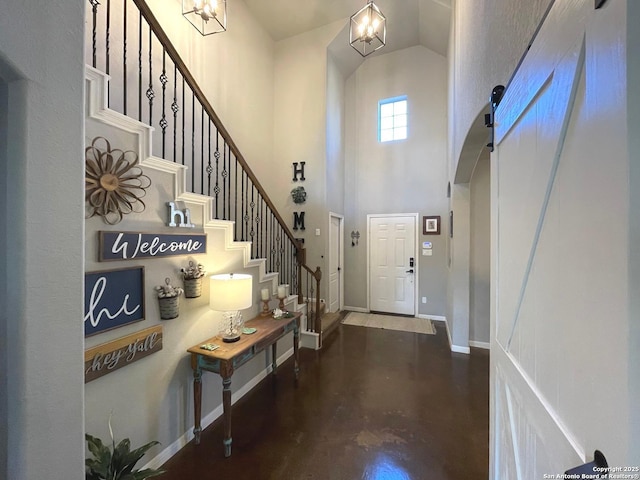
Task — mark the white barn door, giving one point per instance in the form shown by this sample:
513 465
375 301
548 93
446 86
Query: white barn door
559 294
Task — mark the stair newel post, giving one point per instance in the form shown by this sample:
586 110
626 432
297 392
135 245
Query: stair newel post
301 259
317 320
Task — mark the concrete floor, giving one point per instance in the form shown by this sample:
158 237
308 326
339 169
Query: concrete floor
372 404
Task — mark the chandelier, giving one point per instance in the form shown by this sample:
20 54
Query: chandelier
208 16
368 29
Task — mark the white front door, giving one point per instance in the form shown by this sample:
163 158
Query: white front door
335 262
392 257
560 316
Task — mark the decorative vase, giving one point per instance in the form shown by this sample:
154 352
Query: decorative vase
192 287
169 307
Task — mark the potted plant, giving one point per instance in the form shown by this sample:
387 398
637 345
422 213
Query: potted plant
192 279
168 296
117 462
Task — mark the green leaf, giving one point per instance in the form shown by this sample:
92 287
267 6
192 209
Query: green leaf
96 447
119 464
147 473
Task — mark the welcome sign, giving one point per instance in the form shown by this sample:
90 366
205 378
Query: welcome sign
113 298
131 245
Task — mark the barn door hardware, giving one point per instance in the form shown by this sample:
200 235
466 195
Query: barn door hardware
598 467
496 96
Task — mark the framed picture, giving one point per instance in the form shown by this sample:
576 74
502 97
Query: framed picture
431 225
113 298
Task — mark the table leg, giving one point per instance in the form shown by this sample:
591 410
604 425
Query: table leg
296 338
274 365
226 372
197 403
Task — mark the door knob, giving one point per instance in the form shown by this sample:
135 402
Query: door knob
409 271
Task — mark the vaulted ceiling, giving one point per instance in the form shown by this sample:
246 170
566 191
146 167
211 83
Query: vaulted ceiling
409 22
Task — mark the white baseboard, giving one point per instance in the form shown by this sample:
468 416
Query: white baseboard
171 450
459 349
454 348
485 345
356 309
435 318
310 340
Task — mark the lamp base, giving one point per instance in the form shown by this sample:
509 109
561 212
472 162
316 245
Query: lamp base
230 338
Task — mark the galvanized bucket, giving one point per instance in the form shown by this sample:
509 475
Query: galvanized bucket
169 307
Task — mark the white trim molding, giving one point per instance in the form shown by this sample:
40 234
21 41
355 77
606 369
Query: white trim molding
476 344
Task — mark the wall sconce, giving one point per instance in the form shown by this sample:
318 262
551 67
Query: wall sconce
230 293
368 29
355 236
208 16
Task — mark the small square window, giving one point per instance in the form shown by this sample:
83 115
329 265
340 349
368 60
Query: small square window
392 119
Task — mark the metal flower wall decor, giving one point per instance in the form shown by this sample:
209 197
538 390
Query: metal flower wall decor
114 183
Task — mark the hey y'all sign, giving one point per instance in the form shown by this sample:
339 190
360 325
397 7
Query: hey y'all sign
110 356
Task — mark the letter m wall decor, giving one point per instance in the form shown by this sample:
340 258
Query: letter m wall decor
113 298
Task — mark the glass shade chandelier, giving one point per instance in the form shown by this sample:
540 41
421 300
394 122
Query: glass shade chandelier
208 16
368 29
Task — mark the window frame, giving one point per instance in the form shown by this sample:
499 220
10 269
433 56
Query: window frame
393 101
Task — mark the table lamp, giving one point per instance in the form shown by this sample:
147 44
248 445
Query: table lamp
230 293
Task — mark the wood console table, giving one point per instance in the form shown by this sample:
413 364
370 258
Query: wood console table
229 356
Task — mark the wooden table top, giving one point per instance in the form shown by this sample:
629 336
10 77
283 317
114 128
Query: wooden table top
265 327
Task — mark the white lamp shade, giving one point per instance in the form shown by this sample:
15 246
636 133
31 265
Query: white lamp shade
230 292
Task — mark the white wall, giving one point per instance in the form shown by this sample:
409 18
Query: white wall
490 37
480 267
41 61
4 296
398 177
300 135
235 70
335 137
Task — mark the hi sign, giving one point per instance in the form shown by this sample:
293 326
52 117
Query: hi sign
113 298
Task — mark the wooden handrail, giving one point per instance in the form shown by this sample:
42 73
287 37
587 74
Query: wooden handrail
190 80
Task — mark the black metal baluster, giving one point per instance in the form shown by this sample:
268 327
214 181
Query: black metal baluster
140 67
258 239
184 108
106 62
124 59
163 120
193 140
174 109
243 216
216 189
254 226
202 168
235 199
94 36
150 94
224 182
209 166
274 240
